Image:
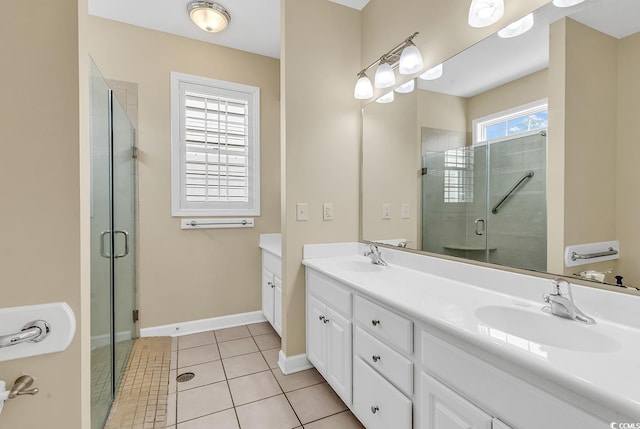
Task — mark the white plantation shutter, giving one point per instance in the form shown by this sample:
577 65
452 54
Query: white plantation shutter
215 148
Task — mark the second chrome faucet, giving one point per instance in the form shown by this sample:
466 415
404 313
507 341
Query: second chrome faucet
374 254
563 305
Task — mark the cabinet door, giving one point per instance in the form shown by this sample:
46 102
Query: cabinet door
277 306
317 334
444 409
267 295
339 354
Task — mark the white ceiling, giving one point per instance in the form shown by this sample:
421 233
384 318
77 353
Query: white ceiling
254 27
496 61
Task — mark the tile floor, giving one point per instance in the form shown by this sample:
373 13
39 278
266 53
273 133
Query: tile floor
238 385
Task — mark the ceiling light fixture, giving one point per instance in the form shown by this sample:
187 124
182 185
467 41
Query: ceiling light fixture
405 56
208 15
518 28
433 73
566 3
483 13
406 87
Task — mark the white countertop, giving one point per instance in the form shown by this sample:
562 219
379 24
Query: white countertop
271 243
605 369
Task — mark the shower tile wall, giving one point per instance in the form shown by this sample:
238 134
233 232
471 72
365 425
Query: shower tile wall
445 223
518 231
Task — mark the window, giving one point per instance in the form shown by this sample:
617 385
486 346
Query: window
215 147
521 119
458 175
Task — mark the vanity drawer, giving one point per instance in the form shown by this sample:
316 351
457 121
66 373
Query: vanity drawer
391 364
376 402
499 393
272 263
385 324
329 291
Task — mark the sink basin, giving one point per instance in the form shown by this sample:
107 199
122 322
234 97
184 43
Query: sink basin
545 329
360 266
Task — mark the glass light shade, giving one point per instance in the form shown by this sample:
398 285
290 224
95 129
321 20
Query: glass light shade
209 16
364 89
387 98
483 13
566 3
385 77
519 27
410 60
406 87
433 73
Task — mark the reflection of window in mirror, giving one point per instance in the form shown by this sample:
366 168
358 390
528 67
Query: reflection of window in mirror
517 120
458 175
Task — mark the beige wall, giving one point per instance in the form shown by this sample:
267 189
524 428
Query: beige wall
320 141
189 275
582 139
40 188
628 159
442 111
390 172
513 94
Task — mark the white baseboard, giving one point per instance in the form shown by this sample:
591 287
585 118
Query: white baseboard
291 364
103 340
195 326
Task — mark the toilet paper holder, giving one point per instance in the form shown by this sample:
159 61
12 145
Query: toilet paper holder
20 387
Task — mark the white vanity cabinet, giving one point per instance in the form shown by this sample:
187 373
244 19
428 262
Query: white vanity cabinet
272 290
329 332
383 370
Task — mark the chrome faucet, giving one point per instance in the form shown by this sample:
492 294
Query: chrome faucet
563 305
374 254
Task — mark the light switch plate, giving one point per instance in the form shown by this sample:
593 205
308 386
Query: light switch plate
327 211
405 211
386 211
302 212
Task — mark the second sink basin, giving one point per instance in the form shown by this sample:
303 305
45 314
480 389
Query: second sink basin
546 329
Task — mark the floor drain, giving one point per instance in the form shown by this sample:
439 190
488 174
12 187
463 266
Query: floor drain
185 377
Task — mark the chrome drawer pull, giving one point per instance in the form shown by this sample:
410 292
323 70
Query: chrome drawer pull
375 358
321 318
326 320
375 322
374 409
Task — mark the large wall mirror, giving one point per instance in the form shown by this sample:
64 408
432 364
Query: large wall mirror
517 148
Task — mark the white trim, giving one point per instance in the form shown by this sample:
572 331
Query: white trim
176 156
202 325
297 363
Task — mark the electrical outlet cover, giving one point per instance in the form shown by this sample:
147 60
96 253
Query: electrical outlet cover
302 212
327 211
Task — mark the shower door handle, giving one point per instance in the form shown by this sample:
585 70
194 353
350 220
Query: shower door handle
102 252
126 243
478 230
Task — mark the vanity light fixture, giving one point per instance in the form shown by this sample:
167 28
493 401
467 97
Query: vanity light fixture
433 73
406 87
387 98
566 3
208 15
364 89
483 13
405 56
517 28
385 77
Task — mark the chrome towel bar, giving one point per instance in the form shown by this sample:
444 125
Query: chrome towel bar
575 256
32 332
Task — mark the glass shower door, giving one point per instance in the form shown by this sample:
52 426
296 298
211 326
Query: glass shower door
113 261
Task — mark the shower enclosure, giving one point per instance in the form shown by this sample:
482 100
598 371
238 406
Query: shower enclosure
485 202
113 259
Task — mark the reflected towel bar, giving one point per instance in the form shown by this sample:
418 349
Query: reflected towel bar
527 175
575 256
